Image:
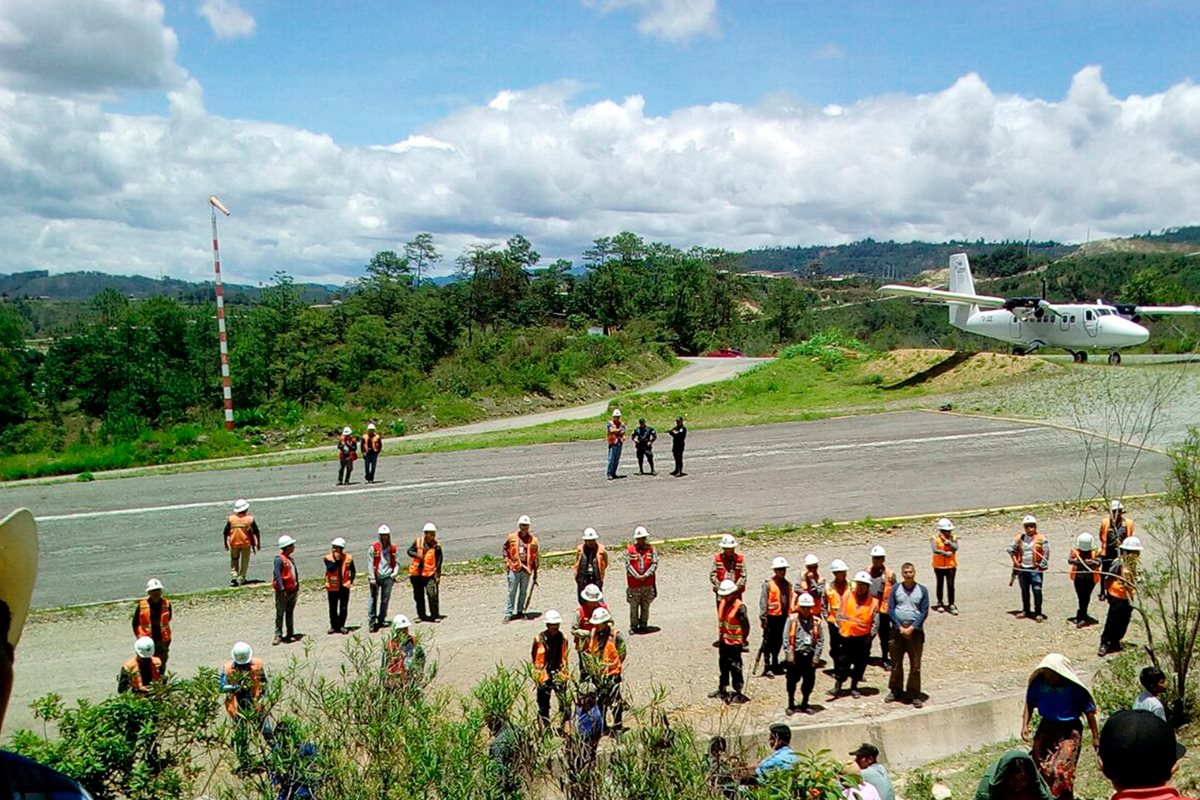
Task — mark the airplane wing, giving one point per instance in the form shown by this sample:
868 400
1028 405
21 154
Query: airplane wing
941 295
1167 310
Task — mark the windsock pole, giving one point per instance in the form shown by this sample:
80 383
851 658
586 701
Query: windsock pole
226 386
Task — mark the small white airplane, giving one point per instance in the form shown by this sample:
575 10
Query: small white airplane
1032 323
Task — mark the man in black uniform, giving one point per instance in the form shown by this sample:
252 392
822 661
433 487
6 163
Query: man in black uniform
644 437
678 439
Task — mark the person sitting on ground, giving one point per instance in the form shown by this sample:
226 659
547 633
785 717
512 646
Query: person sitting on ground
1154 683
866 759
1013 776
782 756
1138 755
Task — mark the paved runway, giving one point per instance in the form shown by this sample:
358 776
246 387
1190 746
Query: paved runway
101 540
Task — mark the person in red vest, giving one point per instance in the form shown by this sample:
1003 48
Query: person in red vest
774 605
1085 576
403 656
347 447
286 582
640 579
382 569
425 573
615 434
152 618
1114 529
243 681
551 670
372 443
591 561
733 634
521 563
140 671
339 575
590 599
728 564
241 539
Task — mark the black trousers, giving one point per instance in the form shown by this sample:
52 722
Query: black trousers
678 455
945 576
344 469
285 611
339 607
608 698
543 699
729 661
835 643
646 455
885 637
1120 611
425 597
369 462
800 671
852 662
773 642
1106 566
1083 592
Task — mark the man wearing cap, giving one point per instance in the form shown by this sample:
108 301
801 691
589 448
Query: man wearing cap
866 761
372 443
643 437
728 564
678 436
839 587
616 440
908 607
243 681
1030 554
1114 529
241 539
286 582
641 568
883 580
591 561
1138 754
521 563
152 618
347 447
1122 583
858 620
1085 576
551 671
339 575
382 568
802 643
733 633
425 573
945 563
774 604
604 660
403 655
140 671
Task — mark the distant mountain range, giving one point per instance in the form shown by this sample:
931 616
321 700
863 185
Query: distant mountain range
41 284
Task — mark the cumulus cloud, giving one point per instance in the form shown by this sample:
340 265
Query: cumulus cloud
86 47
83 188
673 20
227 19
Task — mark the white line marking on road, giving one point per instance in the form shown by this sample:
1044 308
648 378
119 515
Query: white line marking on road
951 437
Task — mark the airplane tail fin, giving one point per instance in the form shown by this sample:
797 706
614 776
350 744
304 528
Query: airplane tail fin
961 282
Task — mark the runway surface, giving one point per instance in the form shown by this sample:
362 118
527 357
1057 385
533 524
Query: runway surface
102 540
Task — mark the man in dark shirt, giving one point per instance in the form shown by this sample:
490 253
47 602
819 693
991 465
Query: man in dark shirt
644 437
678 441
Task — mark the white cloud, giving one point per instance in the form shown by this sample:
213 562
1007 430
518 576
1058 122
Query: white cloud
673 20
227 19
86 47
831 51
81 188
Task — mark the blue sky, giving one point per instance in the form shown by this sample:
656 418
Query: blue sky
334 129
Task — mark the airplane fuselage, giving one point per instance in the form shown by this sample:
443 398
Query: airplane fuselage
1074 327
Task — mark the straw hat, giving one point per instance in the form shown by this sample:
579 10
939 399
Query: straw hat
1060 665
18 567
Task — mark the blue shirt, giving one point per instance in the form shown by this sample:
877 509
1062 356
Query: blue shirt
908 608
589 723
783 758
1066 702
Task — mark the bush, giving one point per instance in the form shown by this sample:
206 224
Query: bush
1116 683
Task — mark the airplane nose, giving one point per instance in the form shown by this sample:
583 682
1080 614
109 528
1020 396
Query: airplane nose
1124 332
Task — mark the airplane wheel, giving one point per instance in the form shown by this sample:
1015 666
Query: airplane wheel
1114 358
1076 357
1018 351
1082 356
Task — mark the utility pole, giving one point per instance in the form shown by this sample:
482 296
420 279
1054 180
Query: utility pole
226 386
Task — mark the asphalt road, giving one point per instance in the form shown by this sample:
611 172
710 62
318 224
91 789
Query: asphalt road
102 540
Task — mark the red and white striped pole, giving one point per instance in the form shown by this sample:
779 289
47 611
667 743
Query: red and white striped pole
227 388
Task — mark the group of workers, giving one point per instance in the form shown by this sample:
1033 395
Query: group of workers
348 448
643 437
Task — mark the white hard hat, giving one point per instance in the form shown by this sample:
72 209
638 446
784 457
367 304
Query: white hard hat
1115 505
862 577
1085 542
285 541
242 653
401 622
640 532
728 541
590 535
429 528
838 566
945 524
727 587
524 520
616 412
384 530
811 560
878 552
346 431
240 506
153 584
552 617
600 616
144 647
370 426
805 600
779 563
1132 544
338 542
592 593
1030 519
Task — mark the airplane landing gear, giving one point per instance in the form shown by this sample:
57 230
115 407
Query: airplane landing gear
1079 357
1114 358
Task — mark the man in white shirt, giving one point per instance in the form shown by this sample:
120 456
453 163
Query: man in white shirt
1154 683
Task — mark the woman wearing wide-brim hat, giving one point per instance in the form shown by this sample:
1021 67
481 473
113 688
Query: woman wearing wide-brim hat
1062 701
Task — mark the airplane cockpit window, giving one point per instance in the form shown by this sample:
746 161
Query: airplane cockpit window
1087 315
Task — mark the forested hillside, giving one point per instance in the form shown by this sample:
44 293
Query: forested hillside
879 259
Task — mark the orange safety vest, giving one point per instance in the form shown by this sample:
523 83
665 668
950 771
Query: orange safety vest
425 563
776 607
1119 587
539 660
616 433
372 443
287 575
1105 524
608 654
1039 550
512 553
940 560
585 615
134 671
338 578
377 554
729 623
854 619
256 674
811 584
833 601
144 623
641 562
239 530
724 572
601 558
1074 569
793 629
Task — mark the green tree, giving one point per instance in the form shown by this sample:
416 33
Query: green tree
421 254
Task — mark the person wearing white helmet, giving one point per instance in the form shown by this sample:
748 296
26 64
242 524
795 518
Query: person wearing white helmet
242 538
643 437
551 669
883 581
811 582
774 605
403 655
944 544
140 671
286 582
802 645
152 617
521 562
591 561
615 431
1030 552
604 663
347 447
372 444
1122 584
641 579
590 599
858 622
838 588
733 636
1086 571
729 564
243 681
339 576
425 573
1114 529
382 568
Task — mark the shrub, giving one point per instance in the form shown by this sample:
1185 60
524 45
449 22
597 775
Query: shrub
1116 684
